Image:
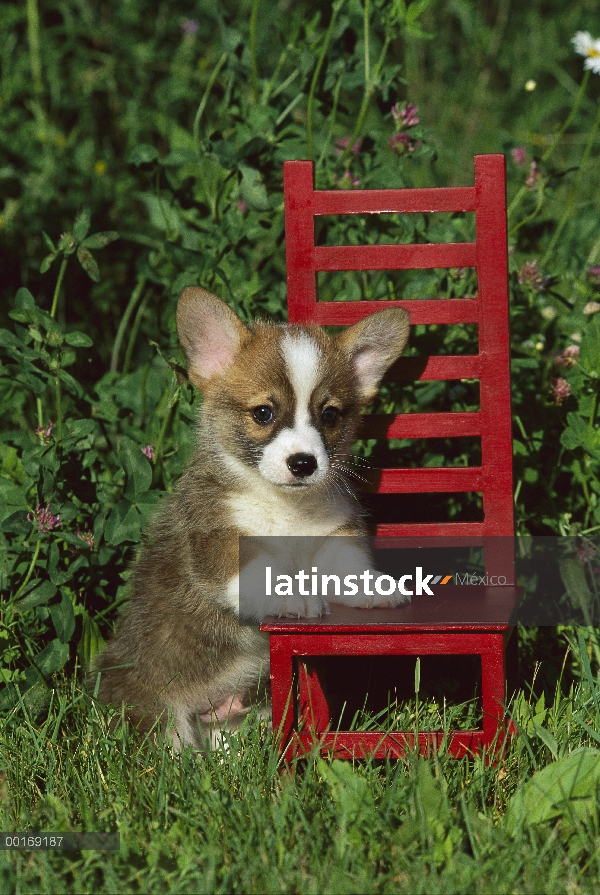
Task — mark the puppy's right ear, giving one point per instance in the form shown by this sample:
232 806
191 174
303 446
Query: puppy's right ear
210 333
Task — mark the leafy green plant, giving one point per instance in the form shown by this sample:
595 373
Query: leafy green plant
74 498
172 131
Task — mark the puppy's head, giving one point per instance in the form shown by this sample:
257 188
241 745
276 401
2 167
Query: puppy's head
282 400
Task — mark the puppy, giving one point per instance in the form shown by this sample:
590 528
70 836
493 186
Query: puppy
281 409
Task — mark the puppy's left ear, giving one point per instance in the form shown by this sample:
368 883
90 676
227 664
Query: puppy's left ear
373 344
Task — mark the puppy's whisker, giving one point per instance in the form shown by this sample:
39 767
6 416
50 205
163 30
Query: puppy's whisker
341 483
353 459
342 469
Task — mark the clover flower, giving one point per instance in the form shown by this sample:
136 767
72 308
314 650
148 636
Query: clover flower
44 434
530 275
44 519
189 26
594 273
534 176
408 116
570 355
402 142
589 47
568 358
587 551
148 452
344 142
86 536
405 118
519 155
560 390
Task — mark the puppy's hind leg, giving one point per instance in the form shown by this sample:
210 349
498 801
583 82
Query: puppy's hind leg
226 715
180 729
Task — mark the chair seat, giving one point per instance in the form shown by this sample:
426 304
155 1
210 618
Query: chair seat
458 607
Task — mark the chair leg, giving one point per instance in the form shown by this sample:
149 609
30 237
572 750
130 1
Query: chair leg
282 689
492 685
300 705
313 709
511 662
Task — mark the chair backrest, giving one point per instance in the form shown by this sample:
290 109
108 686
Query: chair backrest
488 309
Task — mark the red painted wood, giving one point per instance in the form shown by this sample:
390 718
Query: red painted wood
347 745
310 709
450 623
313 710
421 310
494 344
428 529
283 695
430 480
500 557
417 541
299 240
333 202
421 425
395 257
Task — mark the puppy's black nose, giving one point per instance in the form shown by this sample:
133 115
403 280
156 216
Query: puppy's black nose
302 465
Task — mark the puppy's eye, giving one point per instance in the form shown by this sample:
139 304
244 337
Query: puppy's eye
329 416
263 414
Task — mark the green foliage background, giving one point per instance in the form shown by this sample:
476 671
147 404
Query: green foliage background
141 147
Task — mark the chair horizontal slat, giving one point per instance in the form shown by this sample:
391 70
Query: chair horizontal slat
435 310
430 530
397 744
394 201
395 257
436 367
422 530
425 480
420 425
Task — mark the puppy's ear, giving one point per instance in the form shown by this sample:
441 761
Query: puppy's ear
373 344
210 333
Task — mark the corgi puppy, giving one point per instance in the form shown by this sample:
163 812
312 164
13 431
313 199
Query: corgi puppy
280 411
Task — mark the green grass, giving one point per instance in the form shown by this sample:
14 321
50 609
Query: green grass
237 820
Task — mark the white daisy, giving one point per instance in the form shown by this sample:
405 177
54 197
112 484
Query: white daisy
586 46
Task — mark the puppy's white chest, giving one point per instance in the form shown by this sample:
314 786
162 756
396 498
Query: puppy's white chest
267 515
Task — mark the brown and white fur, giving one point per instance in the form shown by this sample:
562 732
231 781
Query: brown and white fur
281 409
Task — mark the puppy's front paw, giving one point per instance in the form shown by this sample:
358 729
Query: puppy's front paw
315 606
370 598
298 606
395 599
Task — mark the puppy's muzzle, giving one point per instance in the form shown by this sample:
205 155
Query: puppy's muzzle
301 465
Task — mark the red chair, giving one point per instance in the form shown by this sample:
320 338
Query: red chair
461 620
